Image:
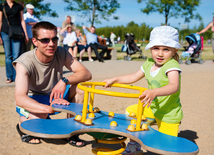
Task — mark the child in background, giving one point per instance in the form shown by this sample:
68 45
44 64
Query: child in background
162 72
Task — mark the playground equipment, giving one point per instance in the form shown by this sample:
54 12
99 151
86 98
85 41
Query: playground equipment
110 128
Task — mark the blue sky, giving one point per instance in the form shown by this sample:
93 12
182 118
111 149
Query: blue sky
130 11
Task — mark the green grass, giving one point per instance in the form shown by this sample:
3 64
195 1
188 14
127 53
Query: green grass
207 53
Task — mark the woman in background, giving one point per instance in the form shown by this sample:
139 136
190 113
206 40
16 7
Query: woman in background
12 45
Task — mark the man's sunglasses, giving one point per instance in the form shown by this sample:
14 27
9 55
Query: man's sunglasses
47 40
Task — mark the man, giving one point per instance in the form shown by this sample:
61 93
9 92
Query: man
39 81
93 43
112 37
68 21
30 21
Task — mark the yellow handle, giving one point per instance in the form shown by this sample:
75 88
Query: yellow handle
85 87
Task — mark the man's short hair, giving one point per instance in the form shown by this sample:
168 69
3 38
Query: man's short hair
43 25
93 27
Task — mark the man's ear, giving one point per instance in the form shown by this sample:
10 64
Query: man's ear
34 41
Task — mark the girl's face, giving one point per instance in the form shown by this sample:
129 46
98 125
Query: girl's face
162 54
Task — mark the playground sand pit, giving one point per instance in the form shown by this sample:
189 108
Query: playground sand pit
197 89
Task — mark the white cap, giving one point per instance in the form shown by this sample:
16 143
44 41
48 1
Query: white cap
165 36
29 6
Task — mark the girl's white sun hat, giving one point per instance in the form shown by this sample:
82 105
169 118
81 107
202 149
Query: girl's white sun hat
164 36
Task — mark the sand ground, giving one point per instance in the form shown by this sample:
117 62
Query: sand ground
197 89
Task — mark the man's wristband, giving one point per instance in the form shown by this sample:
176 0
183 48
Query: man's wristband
65 80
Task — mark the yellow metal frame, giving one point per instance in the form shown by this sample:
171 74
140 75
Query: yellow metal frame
109 151
89 87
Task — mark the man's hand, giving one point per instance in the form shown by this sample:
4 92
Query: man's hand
58 91
60 101
84 27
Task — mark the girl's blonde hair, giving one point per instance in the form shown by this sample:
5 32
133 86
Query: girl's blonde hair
176 57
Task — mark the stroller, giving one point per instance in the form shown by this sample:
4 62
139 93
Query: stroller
108 42
193 51
130 47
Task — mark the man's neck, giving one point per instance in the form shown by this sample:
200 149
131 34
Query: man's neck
43 58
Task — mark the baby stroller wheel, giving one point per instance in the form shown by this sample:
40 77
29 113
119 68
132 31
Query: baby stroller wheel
188 62
125 57
144 57
201 62
129 58
180 61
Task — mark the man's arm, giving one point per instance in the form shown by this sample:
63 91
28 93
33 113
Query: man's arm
21 91
80 74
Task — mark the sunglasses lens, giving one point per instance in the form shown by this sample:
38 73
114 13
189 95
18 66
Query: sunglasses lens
45 40
55 39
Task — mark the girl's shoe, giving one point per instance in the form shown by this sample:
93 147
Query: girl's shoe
80 60
91 60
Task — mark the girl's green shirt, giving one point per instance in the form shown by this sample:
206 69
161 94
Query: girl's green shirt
165 108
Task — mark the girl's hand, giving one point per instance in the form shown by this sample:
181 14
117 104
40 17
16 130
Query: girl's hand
147 97
108 82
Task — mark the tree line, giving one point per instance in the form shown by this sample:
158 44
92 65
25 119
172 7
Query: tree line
142 31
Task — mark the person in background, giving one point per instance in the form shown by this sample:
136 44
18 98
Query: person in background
30 20
92 40
67 22
112 37
23 44
12 45
69 40
210 25
64 24
118 39
83 46
40 82
59 36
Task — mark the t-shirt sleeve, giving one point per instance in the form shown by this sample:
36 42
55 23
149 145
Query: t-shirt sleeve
62 54
24 61
85 31
172 65
20 7
142 69
146 64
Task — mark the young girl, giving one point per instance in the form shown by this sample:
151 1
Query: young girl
162 72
